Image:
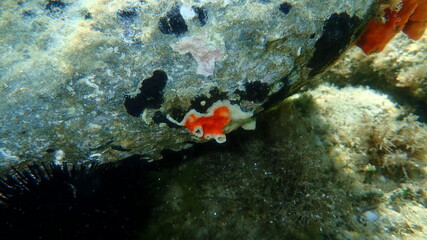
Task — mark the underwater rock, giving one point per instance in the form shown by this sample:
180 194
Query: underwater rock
67 81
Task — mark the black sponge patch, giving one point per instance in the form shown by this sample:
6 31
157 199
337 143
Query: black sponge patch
202 14
202 103
52 5
255 91
173 23
285 7
127 14
150 96
278 96
337 34
54 8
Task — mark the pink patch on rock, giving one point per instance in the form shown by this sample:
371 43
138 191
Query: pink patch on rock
205 55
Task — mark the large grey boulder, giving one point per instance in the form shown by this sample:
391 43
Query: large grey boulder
104 80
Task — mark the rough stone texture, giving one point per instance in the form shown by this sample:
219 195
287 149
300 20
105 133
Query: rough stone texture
68 66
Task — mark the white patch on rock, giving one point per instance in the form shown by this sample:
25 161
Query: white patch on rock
59 155
187 12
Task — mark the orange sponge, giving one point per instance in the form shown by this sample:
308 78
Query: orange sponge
417 23
221 118
209 126
414 29
377 34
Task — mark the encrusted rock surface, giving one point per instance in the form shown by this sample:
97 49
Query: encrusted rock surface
97 80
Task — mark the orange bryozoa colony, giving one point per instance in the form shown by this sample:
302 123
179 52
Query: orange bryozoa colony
221 118
411 17
209 126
